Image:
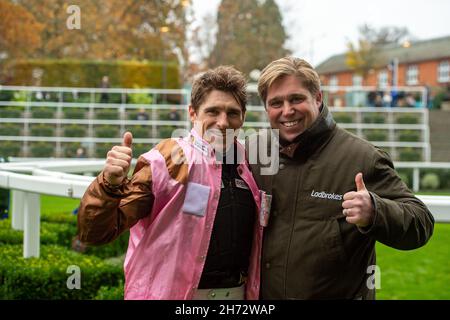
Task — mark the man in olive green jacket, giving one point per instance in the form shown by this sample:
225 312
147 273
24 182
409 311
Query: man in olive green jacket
334 196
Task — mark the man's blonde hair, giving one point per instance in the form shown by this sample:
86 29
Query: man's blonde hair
285 67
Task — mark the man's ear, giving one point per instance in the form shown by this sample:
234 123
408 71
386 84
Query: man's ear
192 113
319 98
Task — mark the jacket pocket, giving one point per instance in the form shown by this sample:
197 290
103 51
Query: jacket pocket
196 199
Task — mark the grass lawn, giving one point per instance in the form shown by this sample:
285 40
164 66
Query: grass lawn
423 273
418 274
50 204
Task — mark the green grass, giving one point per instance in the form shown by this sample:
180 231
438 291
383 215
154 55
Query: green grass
422 274
434 193
51 204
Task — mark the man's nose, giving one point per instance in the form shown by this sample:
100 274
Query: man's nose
288 109
222 121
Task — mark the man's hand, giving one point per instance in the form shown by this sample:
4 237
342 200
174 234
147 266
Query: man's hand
357 205
118 161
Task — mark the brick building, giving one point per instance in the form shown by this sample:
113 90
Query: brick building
421 63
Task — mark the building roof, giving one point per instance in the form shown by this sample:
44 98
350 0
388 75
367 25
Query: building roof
418 51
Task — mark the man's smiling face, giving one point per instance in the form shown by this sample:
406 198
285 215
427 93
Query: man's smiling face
290 107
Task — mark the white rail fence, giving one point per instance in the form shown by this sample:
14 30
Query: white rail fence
88 100
28 180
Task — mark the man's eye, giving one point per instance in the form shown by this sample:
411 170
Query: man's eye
296 100
233 114
275 104
211 112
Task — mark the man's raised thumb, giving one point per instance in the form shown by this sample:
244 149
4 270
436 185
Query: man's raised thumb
360 186
127 139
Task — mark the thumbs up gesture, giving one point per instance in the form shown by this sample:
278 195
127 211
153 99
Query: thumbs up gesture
358 207
118 161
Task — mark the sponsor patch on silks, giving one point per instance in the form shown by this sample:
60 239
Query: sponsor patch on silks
264 212
324 195
196 199
241 184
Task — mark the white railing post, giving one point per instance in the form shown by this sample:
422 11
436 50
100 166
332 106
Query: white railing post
416 179
17 203
32 223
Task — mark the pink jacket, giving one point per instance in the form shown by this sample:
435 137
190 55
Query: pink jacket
167 249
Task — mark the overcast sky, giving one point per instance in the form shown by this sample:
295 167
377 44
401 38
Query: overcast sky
321 28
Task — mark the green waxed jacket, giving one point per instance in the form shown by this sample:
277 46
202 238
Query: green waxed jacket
310 251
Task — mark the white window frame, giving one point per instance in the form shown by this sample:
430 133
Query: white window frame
412 75
383 78
444 71
357 80
333 83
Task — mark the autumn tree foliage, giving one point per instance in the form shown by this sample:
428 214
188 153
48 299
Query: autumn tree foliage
250 34
110 29
364 55
20 33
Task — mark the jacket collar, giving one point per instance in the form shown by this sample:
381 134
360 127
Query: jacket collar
312 138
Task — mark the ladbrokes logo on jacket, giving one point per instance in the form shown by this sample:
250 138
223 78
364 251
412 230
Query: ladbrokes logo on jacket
324 195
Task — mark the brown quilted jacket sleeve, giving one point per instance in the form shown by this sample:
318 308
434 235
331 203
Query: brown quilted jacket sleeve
105 212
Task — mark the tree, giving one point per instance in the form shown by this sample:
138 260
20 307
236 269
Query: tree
19 31
112 29
250 34
363 56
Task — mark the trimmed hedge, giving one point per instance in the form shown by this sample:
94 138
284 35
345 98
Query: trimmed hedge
47 277
51 233
42 130
374 118
10 149
88 73
111 293
342 118
107 131
408 119
42 149
10 129
11 112
376 135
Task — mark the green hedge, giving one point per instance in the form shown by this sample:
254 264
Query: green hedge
11 112
43 113
10 149
101 149
376 135
111 293
42 149
42 130
50 233
374 118
88 73
75 130
410 154
107 114
74 113
46 277
10 129
140 131
342 117
107 131
409 135
408 119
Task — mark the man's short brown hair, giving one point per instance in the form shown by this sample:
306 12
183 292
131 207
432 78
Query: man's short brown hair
285 67
223 78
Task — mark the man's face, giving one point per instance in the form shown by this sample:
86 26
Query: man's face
290 107
220 111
